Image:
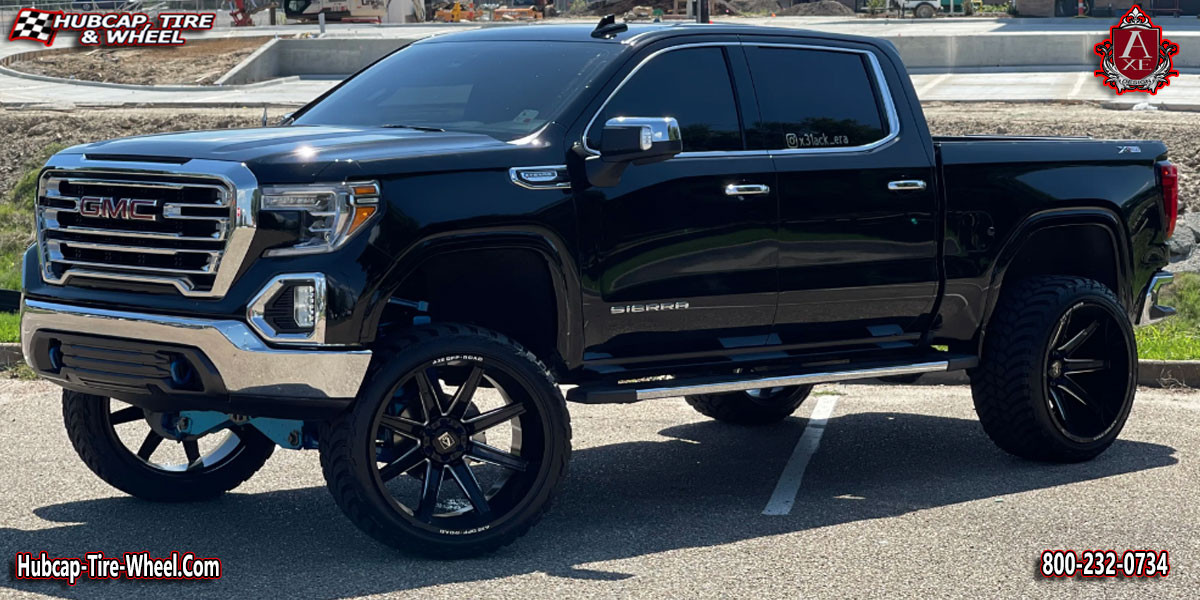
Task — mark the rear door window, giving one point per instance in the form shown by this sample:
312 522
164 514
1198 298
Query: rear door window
692 85
814 99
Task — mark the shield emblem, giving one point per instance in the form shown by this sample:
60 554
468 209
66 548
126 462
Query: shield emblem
1135 50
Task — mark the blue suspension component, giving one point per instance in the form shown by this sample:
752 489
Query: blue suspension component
287 433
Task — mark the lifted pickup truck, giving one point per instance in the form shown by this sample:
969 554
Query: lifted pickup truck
403 273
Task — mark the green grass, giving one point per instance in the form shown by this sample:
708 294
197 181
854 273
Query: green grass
1177 338
10 327
16 219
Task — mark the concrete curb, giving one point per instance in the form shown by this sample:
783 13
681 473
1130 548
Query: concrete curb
10 354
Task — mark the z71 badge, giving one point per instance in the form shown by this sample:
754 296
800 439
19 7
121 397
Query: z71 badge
1136 57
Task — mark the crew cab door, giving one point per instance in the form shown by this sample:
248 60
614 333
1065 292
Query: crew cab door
674 260
858 230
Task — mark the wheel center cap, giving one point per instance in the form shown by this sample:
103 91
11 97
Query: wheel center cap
445 442
1056 369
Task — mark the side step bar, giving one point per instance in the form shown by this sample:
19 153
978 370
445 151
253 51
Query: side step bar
648 390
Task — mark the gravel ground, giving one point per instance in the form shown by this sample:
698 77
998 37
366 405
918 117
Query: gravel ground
199 62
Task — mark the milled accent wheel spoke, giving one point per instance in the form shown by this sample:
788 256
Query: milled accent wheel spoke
1074 366
432 396
149 445
1073 390
464 395
126 415
1056 402
470 486
496 456
403 464
429 494
402 426
192 449
1075 342
495 417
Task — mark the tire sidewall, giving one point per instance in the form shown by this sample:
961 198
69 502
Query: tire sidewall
377 390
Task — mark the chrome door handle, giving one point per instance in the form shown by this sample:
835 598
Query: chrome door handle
746 189
907 185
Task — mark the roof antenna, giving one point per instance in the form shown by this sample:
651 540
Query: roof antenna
608 28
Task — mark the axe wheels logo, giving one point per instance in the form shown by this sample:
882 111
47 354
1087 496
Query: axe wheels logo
128 209
1136 57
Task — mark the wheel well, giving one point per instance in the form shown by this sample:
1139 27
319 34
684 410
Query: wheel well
1084 251
507 290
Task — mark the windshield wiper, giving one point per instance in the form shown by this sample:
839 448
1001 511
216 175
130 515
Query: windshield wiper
417 127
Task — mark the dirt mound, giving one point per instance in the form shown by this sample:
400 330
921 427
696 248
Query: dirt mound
821 8
197 63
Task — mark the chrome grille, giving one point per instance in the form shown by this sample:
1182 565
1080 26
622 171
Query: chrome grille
178 237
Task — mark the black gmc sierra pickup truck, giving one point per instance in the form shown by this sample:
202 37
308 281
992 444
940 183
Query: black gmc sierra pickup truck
403 272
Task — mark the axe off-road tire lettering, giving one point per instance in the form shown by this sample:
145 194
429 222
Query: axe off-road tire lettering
1058 372
391 407
755 407
90 426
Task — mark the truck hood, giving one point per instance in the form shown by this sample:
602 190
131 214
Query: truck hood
302 153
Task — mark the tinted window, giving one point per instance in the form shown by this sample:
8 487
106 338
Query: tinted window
813 99
503 89
691 85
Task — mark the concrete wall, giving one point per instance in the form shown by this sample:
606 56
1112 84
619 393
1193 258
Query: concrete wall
1065 49
342 56
317 57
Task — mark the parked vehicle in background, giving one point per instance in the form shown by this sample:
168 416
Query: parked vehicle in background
403 273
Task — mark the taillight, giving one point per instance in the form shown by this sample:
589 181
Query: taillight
1169 176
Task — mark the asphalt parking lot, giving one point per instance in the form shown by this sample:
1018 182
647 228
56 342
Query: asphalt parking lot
903 497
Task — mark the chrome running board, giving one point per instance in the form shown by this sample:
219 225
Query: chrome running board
686 386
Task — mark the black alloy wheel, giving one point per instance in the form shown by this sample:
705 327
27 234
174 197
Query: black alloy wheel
454 447
1087 372
117 442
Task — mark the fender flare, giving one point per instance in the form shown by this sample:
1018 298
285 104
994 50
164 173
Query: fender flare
559 263
1105 219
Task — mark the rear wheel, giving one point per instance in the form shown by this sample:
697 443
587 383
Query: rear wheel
116 441
1058 371
925 11
455 446
751 407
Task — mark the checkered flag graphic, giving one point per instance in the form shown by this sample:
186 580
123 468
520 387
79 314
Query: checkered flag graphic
34 24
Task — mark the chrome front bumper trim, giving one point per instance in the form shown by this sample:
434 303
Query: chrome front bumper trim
246 364
1152 312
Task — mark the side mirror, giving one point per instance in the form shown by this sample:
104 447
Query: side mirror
633 140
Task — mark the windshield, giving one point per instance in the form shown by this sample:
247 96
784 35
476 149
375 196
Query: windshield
503 89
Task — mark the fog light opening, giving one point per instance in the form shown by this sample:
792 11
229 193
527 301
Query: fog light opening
55 354
182 373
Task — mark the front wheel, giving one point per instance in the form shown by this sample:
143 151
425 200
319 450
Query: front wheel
455 446
925 11
1059 370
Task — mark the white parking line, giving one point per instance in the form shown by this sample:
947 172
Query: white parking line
785 492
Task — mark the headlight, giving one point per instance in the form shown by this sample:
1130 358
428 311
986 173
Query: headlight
325 215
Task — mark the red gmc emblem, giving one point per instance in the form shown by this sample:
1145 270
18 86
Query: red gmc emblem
117 208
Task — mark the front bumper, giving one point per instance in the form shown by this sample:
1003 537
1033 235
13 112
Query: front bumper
1152 311
131 356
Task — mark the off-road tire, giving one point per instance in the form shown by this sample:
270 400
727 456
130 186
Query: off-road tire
740 408
349 475
1010 385
86 417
